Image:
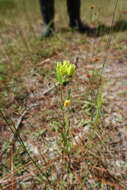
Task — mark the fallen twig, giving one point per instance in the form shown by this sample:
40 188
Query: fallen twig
50 89
18 126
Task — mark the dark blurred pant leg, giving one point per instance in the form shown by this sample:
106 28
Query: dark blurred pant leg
47 10
73 8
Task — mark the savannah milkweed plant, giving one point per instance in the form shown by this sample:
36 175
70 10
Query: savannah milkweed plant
64 71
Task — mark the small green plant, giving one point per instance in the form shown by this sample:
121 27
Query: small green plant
64 72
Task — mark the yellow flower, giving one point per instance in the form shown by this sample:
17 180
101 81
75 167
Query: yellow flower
67 103
71 69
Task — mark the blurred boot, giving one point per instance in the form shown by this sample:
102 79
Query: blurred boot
47 11
73 8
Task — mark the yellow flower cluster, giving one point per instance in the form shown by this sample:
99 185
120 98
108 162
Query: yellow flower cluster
64 70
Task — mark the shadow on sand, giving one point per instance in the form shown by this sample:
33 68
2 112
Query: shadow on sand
101 30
